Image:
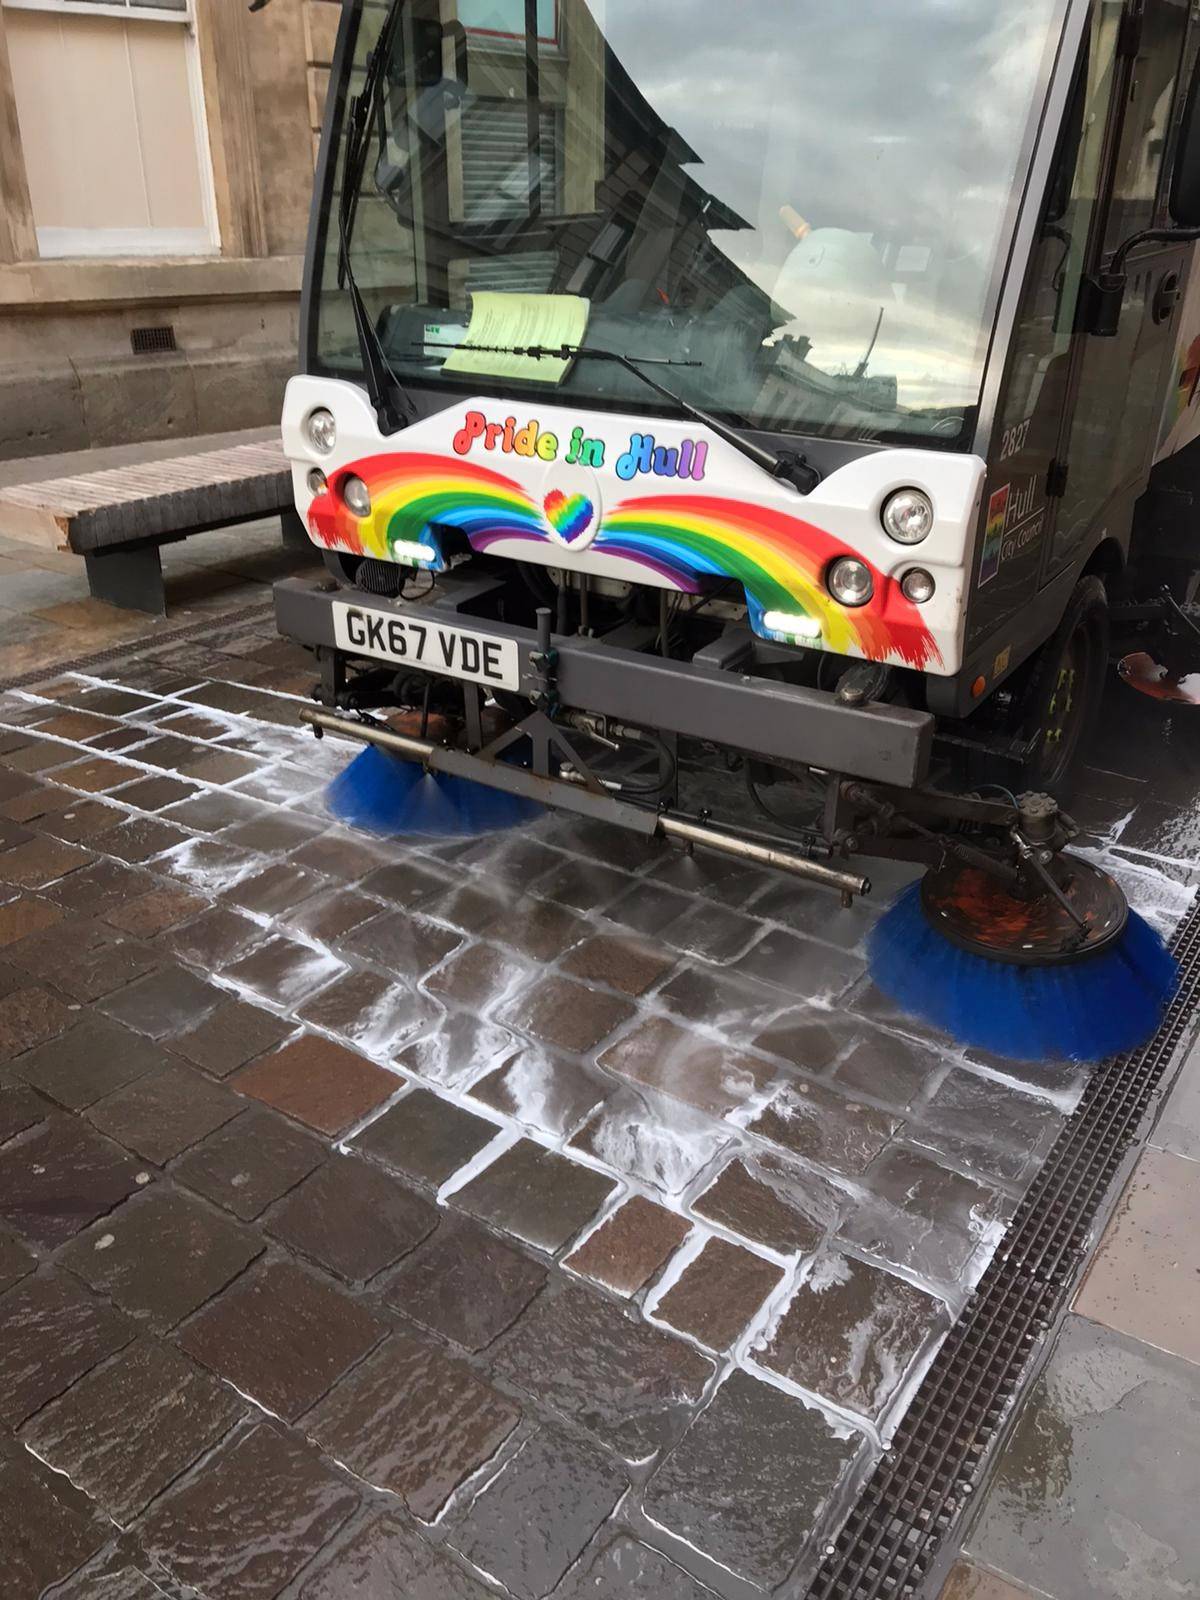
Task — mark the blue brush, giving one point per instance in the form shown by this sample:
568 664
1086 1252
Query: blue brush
382 793
1085 1010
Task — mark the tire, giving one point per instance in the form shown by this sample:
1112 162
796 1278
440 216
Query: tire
1062 697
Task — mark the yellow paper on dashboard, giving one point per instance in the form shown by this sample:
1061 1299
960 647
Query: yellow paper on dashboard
502 322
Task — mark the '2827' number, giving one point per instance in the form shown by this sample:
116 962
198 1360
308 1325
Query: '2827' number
1015 439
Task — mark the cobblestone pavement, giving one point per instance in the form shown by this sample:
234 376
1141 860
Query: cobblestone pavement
550 1212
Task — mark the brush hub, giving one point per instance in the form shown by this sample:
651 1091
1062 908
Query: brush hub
978 912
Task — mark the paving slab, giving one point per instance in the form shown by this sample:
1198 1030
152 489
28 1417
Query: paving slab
127 1430
282 1336
414 1421
752 1479
256 1514
1145 1276
1096 1491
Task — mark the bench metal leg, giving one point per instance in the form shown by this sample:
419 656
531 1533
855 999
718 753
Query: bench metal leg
128 578
295 534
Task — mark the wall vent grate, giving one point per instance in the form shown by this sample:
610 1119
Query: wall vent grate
152 341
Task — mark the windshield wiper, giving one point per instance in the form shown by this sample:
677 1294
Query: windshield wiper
392 407
787 465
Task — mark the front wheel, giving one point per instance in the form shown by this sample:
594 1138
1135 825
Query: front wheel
1062 696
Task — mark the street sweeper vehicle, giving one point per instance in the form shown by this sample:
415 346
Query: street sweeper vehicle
801 391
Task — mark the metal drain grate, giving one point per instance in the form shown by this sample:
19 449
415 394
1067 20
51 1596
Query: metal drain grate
152 341
917 1491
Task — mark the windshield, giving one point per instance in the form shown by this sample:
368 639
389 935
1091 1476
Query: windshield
807 206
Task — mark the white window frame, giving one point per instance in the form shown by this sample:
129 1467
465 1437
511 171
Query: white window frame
56 243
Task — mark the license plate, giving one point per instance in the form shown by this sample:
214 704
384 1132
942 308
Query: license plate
429 646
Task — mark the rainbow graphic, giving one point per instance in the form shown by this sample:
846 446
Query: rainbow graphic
570 515
687 539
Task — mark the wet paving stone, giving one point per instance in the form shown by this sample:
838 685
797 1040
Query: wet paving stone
413 1421
25 915
543 1090
211 810
282 1336
58 1176
1145 1277
20 1108
540 930
15 1261
47 1530
166 1001
276 832
804 1039
921 1217
164 1112
284 973
369 1012
535 1194
719 1294
457 1048
583 885
352 1218
99 889
155 794
410 884
466 1285
91 1060
54 1332
111 1577
536 1517
822 1126
785 1208
162 1257
276 889
480 977
141 839
752 1480
663 1055
630 1246
626 1569
648 908
652 1138
122 1434
628 965
565 1014
627 1383
1095 1494
990 1127
852 1334
897 1071
404 946
388 1558
250 1163
28 1017
153 913
251 1519
730 1006
97 775
217 937
425 1138
87 959
319 1083
230 1036
341 854
331 914
88 819
40 861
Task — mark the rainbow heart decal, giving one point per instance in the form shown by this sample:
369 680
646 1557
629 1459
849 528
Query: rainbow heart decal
570 515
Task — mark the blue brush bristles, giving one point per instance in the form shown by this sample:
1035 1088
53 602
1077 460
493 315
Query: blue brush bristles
382 793
1083 1011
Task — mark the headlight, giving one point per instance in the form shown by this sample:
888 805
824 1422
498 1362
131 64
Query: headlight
918 586
357 496
316 481
908 517
849 581
321 431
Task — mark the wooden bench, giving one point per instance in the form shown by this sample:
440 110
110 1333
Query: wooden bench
118 519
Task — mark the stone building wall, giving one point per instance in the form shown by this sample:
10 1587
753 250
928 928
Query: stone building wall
69 376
